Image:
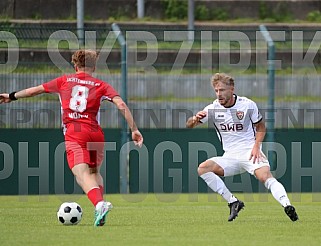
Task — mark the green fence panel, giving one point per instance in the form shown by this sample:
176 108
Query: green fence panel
32 161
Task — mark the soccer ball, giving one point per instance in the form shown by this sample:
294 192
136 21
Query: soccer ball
69 213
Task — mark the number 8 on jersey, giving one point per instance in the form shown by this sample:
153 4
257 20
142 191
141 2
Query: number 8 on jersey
78 101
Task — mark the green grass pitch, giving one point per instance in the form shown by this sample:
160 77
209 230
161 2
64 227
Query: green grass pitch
162 219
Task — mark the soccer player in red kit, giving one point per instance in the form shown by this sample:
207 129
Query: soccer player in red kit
80 95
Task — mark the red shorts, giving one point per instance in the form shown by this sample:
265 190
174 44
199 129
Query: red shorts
84 144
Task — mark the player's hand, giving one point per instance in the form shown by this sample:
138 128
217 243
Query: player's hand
137 138
257 156
195 120
200 115
4 98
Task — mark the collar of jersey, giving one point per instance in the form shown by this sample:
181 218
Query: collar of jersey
235 97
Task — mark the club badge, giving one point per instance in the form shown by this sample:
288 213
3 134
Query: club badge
240 115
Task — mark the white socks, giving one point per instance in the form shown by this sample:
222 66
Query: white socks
216 184
277 191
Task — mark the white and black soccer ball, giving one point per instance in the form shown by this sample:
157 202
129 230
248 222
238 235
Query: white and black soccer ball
69 213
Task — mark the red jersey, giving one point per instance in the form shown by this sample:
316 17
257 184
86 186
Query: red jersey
80 96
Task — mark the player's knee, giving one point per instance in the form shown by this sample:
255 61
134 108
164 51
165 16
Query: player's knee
263 175
202 168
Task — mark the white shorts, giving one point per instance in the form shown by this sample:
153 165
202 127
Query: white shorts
238 162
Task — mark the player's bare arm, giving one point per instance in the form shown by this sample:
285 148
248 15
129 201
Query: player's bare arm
195 120
29 92
136 135
256 154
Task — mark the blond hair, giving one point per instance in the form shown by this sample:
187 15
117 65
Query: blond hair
85 58
223 78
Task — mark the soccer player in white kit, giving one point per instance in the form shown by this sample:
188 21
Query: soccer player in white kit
241 130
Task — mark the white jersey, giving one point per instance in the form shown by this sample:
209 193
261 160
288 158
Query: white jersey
234 124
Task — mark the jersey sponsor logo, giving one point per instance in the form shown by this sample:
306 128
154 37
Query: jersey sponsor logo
75 115
234 127
240 115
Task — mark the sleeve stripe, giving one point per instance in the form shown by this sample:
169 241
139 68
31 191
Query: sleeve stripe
258 121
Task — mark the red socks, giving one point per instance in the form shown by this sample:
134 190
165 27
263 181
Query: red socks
95 195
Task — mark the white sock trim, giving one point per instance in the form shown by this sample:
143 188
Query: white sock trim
268 183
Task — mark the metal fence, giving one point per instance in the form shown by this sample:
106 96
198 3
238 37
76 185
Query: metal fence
168 73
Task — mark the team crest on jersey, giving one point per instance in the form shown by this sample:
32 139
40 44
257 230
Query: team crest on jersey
240 115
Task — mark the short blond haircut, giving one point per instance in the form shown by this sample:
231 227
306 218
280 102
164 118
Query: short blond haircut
223 78
85 58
